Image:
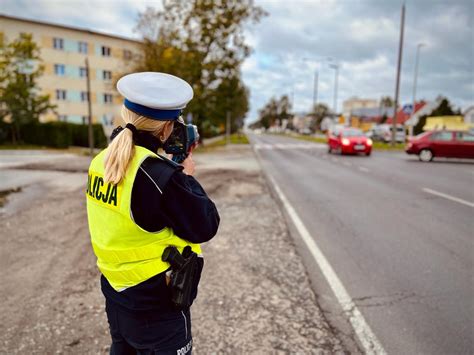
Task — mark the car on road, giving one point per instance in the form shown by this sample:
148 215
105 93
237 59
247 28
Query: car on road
383 133
447 144
349 141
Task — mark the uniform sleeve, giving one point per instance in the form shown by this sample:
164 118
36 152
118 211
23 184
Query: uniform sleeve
188 210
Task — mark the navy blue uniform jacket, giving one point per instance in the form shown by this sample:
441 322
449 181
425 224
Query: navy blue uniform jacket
183 206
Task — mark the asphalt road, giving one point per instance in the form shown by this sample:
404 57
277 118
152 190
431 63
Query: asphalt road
398 233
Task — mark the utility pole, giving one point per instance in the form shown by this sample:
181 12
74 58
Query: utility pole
315 88
397 86
89 108
293 98
336 77
414 87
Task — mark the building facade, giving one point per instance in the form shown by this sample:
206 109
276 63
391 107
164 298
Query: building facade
354 103
63 52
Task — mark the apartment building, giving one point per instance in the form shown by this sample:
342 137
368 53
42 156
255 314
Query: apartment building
64 51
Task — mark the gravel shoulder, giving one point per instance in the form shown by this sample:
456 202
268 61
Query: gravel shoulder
254 297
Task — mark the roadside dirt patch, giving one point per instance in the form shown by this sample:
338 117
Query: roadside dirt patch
5 193
230 184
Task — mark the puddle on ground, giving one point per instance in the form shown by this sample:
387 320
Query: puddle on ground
5 193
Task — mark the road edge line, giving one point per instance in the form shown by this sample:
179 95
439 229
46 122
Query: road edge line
363 331
366 337
448 197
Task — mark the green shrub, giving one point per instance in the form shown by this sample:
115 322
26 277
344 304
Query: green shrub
56 134
80 135
5 132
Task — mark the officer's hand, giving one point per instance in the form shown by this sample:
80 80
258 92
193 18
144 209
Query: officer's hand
189 165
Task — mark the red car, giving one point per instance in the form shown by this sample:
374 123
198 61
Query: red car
349 141
449 144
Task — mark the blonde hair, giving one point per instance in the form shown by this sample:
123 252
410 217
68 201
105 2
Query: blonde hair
121 150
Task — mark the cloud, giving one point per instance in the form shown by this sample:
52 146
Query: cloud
362 36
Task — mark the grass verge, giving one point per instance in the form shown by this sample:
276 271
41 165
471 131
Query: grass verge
236 138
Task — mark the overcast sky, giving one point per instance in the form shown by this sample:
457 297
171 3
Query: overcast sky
360 36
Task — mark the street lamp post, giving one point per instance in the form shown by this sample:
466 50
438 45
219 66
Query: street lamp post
315 88
397 82
335 66
415 78
316 82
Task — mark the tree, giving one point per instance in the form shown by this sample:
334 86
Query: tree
319 111
443 109
268 114
201 41
386 101
20 68
284 108
275 110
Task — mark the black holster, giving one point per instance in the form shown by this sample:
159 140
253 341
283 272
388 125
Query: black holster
185 275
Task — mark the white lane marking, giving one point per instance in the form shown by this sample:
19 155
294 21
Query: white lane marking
366 337
346 163
449 197
286 146
335 160
365 170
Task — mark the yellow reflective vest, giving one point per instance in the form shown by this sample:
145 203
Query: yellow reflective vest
126 254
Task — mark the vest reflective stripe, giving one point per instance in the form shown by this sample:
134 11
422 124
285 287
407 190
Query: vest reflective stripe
143 253
126 254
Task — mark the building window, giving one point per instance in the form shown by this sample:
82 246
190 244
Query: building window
84 96
62 118
105 51
82 47
61 95
127 54
106 75
82 72
59 69
108 98
58 43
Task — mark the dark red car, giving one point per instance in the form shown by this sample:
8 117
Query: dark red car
448 144
349 141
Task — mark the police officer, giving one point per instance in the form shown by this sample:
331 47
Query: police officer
138 204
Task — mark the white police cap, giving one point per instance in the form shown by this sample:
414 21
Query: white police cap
154 95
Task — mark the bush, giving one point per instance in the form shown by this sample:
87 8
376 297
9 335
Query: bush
57 134
5 132
80 135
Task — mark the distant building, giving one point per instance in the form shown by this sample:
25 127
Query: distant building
355 103
469 116
63 51
422 110
366 118
404 113
302 122
446 122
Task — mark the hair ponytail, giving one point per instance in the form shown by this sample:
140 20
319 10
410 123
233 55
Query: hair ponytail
122 148
119 154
